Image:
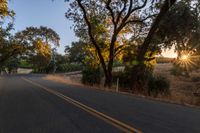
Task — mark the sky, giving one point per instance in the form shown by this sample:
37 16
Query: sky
50 13
169 53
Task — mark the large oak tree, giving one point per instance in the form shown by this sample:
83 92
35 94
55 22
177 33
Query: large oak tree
112 18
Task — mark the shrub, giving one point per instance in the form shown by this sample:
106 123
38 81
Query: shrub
196 79
91 75
124 79
158 85
175 71
68 67
61 68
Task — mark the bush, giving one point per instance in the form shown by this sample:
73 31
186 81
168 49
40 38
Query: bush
25 64
61 68
196 79
124 79
175 71
158 85
68 67
91 76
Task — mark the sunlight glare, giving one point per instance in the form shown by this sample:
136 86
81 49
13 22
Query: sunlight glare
184 57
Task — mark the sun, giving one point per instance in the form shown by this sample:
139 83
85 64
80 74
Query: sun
187 60
184 57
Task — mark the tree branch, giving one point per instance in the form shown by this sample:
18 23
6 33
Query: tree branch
139 7
91 36
111 12
164 9
120 13
140 21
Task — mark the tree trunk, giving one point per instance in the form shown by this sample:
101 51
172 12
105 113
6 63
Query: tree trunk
139 69
108 80
164 9
108 76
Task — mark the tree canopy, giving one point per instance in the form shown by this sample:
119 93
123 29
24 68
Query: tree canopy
38 42
108 23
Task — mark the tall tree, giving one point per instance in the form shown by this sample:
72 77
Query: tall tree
139 69
38 42
8 47
111 18
183 32
76 52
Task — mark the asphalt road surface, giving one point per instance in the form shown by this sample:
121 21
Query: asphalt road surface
29 104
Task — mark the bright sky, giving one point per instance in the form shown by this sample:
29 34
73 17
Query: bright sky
169 53
50 13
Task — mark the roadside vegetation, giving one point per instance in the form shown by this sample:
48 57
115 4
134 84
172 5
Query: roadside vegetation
119 44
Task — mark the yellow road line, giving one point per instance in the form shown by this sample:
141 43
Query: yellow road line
118 124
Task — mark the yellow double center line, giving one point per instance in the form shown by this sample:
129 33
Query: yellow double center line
118 124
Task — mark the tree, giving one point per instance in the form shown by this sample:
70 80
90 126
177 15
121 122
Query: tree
37 42
3 8
140 69
105 20
182 31
167 4
76 52
182 24
5 11
8 45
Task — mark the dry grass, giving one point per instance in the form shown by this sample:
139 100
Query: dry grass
181 88
72 80
62 79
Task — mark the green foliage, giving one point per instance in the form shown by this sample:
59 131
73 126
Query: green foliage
61 68
9 47
50 68
196 79
179 71
25 64
158 85
31 34
68 67
147 83
39 70
181 28
91 75
175 71
37 42
105 25
61 59
77 52
12 65
117 63
124 79
179 25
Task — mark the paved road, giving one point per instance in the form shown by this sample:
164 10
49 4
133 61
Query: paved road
26 107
